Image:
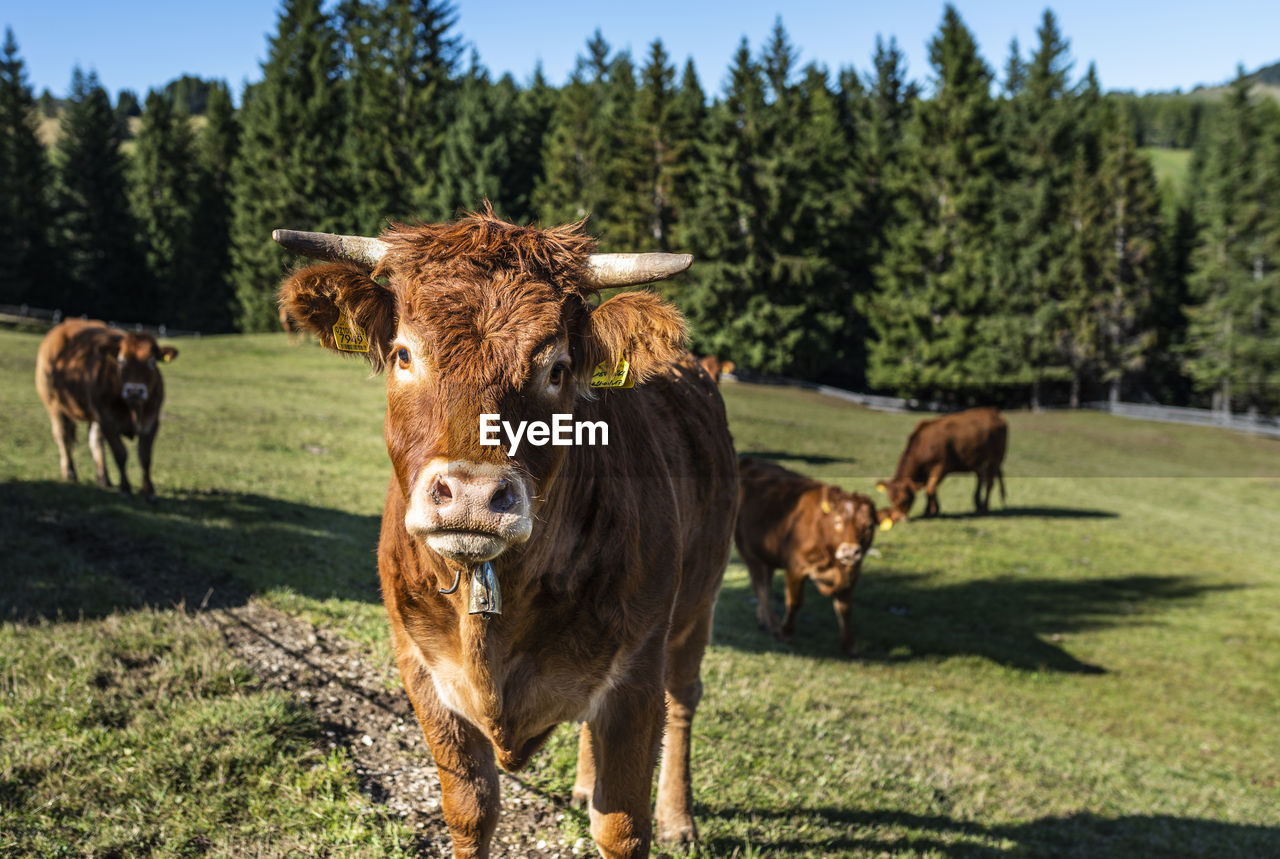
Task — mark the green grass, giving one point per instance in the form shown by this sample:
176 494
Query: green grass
1090 671
1172 167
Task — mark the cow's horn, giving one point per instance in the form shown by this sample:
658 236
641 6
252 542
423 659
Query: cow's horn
631 269
358 249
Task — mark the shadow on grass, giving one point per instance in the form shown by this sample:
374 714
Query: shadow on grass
1015 621
841 830
74 550
1020 513
809 458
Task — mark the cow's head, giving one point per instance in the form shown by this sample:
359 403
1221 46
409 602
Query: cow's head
902 494
481 317
134 359
846 528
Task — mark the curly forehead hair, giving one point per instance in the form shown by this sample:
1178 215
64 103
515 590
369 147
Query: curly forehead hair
479 245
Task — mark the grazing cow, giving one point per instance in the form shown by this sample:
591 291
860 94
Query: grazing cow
810 530
529 584
972 440
86 371
714 366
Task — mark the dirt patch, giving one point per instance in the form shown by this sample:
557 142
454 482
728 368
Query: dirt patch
348 691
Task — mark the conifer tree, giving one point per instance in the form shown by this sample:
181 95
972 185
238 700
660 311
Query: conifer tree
402 58
535 105
476 146
163 198
1040 142
1231 335
212 300
932 314
1130 271
95 233
27 264
687 121
289 172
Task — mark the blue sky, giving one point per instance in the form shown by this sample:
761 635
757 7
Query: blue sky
137 44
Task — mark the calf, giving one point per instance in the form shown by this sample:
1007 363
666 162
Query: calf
110 379
714 366
538 583
811 530
973 440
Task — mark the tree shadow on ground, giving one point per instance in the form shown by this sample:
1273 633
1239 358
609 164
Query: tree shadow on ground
74 550
1020 513
830 831
807 458
1015 621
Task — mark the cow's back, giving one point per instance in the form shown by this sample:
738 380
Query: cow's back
976 437
67 367
770 497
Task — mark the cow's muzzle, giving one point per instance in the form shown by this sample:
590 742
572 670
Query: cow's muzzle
134 392
469 512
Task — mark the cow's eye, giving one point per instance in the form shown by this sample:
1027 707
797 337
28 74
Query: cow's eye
558 372
402 358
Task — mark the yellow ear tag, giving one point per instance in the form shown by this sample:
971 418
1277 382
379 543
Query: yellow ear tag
826 506
886 524
167 359
347 336
603 376
880 487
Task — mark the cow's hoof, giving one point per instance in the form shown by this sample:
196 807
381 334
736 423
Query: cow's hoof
676 833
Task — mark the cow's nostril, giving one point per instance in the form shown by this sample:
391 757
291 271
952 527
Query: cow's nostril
504 498
440 492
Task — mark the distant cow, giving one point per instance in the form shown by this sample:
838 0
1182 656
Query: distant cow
973 440
714 366
110 379
531 584
809 529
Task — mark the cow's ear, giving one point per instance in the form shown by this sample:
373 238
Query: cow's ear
319 295
728 367
168 353
111 345
638 326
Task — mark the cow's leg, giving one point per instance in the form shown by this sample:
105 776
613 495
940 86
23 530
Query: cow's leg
469 789
977 492
795 599
118 451
98 447
146 441
625 737
843 603
584 784
762 584
674 816
931 492
64 435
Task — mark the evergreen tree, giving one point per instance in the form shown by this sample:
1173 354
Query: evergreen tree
402 58
289 172
1040 140
656 106
1231 334
935 321
477 145
1130 271
163 196
594 154
27 265
95 233
687 120
212 298
535 105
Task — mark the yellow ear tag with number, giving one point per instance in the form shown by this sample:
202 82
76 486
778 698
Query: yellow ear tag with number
619 376
886 524
347 336
826 506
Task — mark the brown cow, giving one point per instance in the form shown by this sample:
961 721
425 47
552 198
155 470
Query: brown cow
810 530
714 366
529 584
109 378
973 440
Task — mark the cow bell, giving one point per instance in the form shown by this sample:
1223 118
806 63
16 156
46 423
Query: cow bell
486 597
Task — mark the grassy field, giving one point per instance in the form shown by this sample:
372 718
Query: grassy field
1089 671
1172 167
